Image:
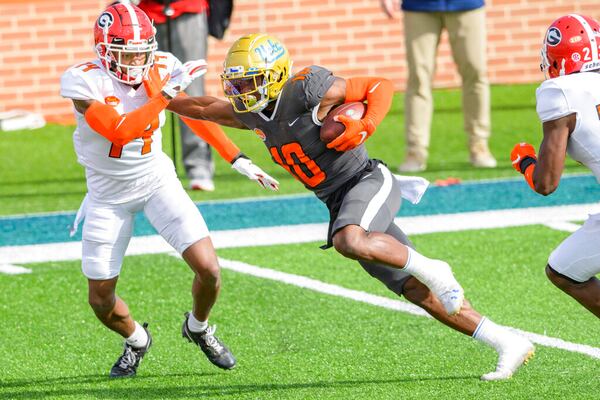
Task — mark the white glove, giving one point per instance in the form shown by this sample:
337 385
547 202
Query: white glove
245 167
183 76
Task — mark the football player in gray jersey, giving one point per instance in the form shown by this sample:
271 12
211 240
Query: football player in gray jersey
362 196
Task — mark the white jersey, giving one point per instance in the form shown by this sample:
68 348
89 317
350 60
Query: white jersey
580 94
117 174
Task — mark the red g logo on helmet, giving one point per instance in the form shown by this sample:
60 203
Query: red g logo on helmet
125 42
571 45
105 20
553 36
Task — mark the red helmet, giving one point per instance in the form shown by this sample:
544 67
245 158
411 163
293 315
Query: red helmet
571 45
125 42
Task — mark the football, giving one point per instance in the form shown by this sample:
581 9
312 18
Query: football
331 129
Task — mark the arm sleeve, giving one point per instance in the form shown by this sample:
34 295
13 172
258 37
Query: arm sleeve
377 91
551 102
122 129
213 135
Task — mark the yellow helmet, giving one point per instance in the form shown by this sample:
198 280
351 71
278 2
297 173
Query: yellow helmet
254 72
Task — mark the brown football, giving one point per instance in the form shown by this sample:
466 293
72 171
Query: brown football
331 129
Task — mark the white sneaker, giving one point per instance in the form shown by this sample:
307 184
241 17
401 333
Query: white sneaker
446 288
205 185
517 352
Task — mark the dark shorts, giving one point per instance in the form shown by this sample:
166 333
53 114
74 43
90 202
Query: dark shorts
371 200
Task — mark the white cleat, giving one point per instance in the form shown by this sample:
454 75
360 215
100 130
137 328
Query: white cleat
510 358
446 288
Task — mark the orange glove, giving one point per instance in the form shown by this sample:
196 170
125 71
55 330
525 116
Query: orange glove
152 82
523 160
522 156
357 131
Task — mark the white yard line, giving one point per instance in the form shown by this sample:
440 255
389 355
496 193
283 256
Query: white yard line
550 216
563 226
10 269
267 236
384 302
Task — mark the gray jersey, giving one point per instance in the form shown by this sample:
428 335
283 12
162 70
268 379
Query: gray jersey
291 134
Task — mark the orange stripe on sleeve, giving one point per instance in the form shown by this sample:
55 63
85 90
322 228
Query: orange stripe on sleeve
122 129
528 174
377 91
213 135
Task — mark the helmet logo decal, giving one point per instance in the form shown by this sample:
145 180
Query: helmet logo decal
553 37
105 20
234 69
576 57
270 51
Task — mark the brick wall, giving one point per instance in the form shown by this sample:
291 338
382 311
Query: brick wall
41 38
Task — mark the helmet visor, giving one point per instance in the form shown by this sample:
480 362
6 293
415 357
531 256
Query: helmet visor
246 93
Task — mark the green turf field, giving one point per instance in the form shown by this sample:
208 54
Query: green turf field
293 342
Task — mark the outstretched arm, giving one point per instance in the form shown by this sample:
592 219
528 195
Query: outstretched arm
207 108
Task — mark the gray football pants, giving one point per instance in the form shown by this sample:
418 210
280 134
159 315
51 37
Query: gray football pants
189 40
393 278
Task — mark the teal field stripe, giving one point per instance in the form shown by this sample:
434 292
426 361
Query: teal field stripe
224 215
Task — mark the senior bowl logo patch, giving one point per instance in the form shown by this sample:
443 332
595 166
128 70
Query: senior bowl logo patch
112 101
260 134
553 37
105 20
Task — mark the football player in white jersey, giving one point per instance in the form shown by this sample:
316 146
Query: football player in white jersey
119 102
568 105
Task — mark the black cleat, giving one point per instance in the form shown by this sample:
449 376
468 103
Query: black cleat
126 366
216 352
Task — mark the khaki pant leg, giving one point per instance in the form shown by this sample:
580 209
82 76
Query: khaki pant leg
422 31
467 34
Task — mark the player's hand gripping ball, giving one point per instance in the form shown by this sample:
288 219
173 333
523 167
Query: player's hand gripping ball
331 129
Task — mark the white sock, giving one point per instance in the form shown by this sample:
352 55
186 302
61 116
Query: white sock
196 326
418 266
138 338
491 334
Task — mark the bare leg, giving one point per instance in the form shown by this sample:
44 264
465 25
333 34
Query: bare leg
202 259
354 242
586 293
465 322
108 307
513 350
